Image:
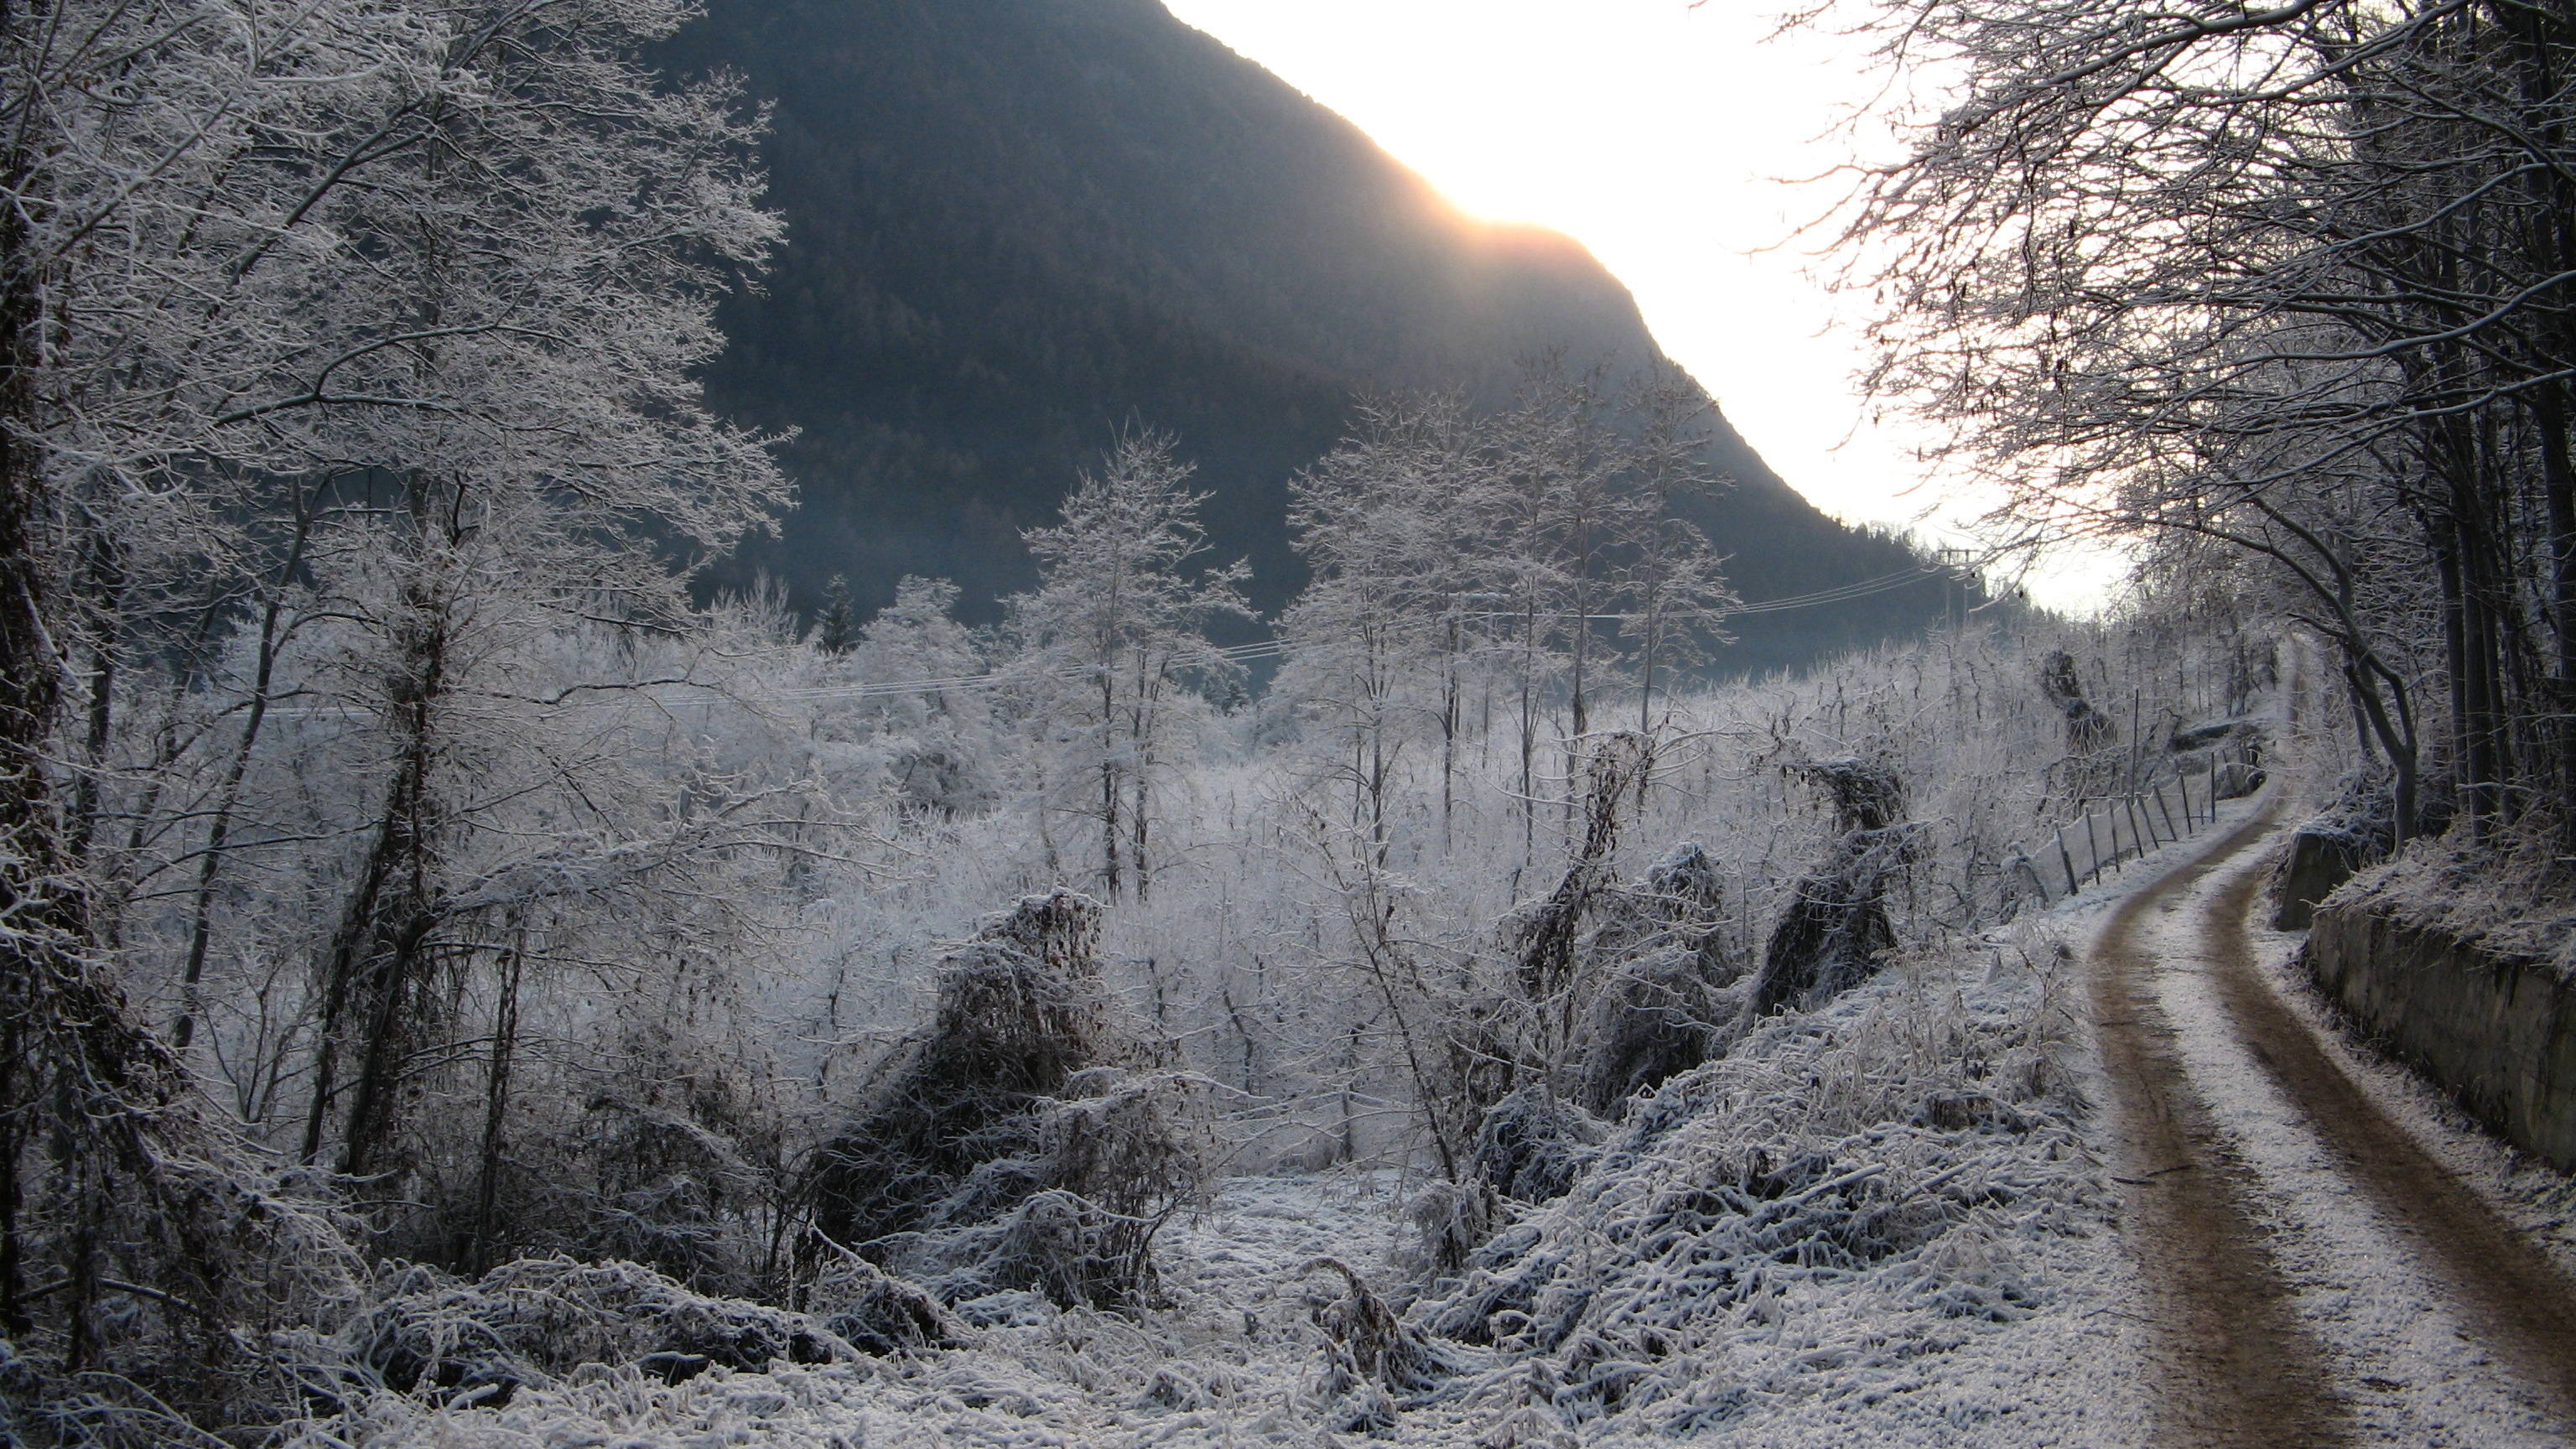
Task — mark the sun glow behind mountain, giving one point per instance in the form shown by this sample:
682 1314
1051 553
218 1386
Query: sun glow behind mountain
1658 134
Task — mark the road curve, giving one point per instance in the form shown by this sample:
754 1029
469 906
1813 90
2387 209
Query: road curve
2239 1368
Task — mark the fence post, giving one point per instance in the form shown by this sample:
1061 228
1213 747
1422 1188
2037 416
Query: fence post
2066 859
2093 845
2165 811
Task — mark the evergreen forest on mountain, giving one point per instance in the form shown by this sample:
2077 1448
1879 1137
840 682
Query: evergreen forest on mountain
1016 226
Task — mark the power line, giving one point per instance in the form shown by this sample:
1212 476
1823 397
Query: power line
1268 648
1846 593
1843 594
1236 653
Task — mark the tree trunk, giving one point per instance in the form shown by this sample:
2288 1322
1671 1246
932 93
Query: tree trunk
1646 683
2353 688
2559 478
1529 742
477 1257
352 946
2455 650
1452 718
29 855
200 931
1138 823
106 583
387 915
371 1105
1109 788
77 1072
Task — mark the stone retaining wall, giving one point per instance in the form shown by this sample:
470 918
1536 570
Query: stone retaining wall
2496 1031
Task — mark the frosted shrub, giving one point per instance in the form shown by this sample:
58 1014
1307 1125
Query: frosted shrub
1368 1351
1533 1145
1832 1196
1836 930
859 1303
533 1321
1661 1001
1014 1148
1021 1010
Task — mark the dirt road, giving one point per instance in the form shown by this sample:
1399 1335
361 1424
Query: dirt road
2314 1277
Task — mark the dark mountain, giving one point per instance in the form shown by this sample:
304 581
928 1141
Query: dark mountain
1016 225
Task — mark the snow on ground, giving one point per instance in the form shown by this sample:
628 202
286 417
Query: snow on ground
1228 1361
2357 1288
1930 1281
1968 1288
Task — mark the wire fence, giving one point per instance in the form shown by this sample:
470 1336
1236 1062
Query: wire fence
2122 827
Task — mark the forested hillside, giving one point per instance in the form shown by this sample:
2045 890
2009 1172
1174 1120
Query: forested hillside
1016 225
468 977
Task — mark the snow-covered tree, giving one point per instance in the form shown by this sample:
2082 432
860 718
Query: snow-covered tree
1114 640
933 705
156 232
1672 584
2291 279
351 344
1376 643
836 628
542 264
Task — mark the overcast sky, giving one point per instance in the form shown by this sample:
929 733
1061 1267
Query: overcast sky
1657 134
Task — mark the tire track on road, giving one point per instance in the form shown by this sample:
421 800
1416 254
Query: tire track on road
2239 1369
2502 1288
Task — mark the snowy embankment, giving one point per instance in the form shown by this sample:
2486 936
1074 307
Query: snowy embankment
2389 1326
1878 1222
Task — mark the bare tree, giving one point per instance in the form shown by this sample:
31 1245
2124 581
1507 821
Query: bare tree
1672 583
1375 643
1114 637
2292 279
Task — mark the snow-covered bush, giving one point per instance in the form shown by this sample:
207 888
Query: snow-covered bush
1842 1192
1017 1146
1369 1352
1835 930
535 1320
1533 1144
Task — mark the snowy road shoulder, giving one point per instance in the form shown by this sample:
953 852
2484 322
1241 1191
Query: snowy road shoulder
2404 1365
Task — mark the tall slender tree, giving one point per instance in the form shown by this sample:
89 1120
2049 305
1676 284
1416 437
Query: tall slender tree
1114 638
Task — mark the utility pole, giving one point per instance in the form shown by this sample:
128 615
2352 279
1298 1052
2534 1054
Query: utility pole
1954 585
